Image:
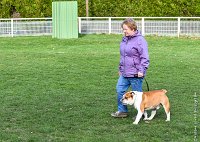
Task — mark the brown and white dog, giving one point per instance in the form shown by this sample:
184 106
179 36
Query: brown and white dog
143 101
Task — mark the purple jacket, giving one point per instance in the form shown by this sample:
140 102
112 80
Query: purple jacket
134 55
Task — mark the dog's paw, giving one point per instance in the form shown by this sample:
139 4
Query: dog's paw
148 119
145 119
135 123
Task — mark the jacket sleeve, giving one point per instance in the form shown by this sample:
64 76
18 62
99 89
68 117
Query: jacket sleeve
144 55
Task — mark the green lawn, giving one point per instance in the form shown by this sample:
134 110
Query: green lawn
55 90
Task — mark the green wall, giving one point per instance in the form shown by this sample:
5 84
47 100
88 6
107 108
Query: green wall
65 19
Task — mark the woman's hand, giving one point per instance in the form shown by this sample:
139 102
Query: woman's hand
140 74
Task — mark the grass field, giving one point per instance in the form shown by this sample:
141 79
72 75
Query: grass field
64 90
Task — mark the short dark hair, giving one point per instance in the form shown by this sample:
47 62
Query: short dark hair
130 23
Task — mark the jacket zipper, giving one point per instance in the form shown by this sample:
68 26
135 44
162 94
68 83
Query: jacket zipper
124 58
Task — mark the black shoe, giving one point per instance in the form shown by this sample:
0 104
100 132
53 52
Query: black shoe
119 114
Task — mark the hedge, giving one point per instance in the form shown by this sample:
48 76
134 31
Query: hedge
105 8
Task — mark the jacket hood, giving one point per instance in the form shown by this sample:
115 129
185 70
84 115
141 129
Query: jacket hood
126 38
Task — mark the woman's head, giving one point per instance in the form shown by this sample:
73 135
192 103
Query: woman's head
129 27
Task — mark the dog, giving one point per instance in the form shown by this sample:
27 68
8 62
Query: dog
143 101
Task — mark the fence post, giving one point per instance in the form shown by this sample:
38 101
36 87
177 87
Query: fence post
143 32
109 19
12 27
79 23
179 26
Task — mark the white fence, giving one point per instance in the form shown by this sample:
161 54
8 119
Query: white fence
25 27
160 26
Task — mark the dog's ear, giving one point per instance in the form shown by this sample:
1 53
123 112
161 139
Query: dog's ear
132 92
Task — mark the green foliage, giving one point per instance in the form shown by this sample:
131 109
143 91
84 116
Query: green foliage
26 8
102 8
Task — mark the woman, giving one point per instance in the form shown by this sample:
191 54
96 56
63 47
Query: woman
134 61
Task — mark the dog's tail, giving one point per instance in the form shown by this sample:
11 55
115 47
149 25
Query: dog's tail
164 90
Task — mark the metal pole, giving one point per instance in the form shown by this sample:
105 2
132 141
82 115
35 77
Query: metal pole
87 8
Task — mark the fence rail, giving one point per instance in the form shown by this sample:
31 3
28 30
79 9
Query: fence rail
160 26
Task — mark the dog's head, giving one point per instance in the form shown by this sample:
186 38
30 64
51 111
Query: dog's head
128 98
